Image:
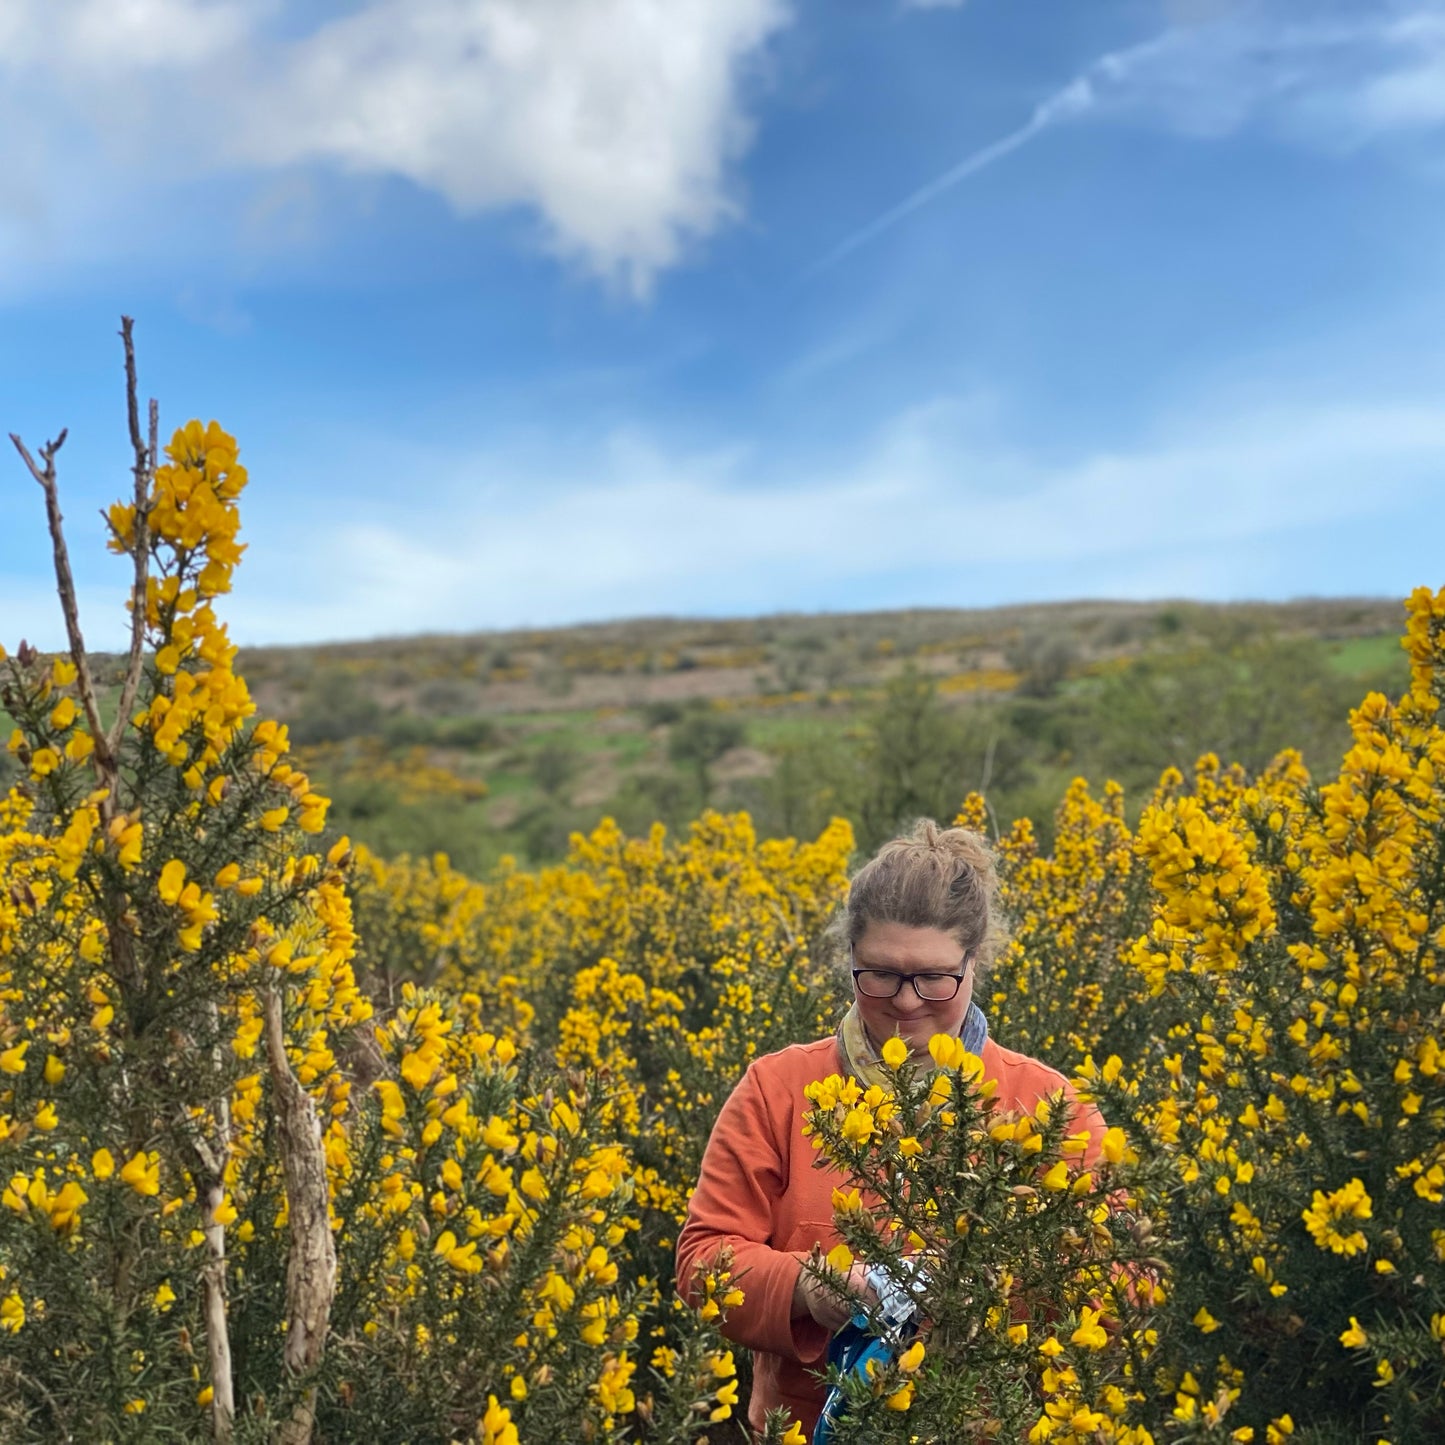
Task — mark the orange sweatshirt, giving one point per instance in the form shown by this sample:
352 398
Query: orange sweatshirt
759 1192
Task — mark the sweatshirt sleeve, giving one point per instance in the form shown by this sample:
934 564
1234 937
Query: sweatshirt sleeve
744 1173
1029 1080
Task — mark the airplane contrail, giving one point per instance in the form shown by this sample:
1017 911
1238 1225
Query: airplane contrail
1236 54
1073 99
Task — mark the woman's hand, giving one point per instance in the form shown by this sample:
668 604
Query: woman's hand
812 1297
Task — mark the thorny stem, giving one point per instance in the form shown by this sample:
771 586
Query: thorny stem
218 1335
210 1163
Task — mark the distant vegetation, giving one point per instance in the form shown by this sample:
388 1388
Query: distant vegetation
506 743
480 746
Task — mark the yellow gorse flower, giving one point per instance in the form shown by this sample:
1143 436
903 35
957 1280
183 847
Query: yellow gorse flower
1328 1211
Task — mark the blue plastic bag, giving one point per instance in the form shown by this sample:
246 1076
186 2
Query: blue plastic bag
856 1344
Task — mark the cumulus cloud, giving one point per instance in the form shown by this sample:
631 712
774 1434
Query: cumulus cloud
617 122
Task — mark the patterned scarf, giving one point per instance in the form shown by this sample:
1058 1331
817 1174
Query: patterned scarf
864 1062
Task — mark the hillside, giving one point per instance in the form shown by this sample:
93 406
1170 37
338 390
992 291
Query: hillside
504 742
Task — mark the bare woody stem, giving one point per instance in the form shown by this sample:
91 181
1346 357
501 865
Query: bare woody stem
218 1334
65 582
107 743
209 1177
311 1265
211 1192
144 472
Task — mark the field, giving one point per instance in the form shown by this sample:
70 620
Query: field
305 1139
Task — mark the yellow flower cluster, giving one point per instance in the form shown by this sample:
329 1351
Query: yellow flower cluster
715 929
1010 1235
1065 909
1328 1211
1210 893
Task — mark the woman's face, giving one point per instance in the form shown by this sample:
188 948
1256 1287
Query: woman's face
901 949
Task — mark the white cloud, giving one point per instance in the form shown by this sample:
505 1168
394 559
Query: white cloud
1323 493
934 509
1341 77
1412 96
614 118
616 121
70 39
1333 75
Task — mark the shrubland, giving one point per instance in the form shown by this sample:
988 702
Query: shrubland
800 719
301 1141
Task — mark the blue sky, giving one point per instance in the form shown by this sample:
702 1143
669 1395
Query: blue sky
536 311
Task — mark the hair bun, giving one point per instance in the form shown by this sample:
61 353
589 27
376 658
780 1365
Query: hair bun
932 877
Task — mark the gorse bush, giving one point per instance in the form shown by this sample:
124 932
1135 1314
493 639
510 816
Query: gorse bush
164 927
301 1143
227 1207
1265 957
1015 1240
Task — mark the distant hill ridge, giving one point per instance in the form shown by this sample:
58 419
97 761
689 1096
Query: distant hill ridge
1322 617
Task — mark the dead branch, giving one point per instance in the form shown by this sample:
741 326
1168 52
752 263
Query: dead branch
132 391
65 582
144 471
311 1265
218 1332
208 1170
211 1193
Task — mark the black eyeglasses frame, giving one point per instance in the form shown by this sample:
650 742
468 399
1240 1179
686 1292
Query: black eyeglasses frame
958 980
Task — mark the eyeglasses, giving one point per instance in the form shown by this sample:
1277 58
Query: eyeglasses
930 987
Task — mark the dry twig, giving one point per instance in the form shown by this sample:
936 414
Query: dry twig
208 1171
65 583
144 471
107 742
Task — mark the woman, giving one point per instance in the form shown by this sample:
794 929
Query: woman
921 922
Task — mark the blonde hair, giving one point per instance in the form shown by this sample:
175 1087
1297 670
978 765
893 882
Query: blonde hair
931 877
